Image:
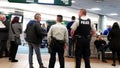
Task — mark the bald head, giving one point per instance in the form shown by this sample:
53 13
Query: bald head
2 17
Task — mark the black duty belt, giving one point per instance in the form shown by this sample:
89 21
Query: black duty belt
82 36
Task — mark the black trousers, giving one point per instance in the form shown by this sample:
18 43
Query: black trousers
82 50
13 50
114 56
57 48
103 49
3 47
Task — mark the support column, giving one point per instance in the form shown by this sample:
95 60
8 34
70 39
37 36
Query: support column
102 22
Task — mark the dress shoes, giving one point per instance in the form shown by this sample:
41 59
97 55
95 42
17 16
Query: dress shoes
113 64
1 56
104 61
14 60
42 66
31 67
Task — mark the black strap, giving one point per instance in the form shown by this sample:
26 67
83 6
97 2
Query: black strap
12 29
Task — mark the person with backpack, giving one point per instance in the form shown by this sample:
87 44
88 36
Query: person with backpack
34 36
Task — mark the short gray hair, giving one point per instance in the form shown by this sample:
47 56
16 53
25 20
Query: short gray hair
36 15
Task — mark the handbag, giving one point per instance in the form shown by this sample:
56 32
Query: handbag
17 39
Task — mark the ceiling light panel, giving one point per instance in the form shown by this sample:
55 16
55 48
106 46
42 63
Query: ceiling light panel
95 9
113 14
73 1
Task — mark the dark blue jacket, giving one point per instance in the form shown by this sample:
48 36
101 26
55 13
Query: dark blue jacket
68 27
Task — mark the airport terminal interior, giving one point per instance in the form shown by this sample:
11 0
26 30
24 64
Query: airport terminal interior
103 13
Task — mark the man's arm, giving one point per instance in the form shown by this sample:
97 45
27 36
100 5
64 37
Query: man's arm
72 32
40 30
49 36
66 37
73 28
104 42
93 29
6 26
96 43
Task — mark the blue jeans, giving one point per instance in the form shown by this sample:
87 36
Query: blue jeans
70 47
37 51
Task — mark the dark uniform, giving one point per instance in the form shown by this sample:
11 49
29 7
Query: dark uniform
82 48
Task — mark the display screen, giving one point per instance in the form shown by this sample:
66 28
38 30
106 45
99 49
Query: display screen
46 1
20 17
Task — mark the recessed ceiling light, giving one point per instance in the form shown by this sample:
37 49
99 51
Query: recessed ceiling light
113 14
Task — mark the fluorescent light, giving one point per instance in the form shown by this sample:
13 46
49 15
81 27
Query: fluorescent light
95 9
73 1
113 14
99 1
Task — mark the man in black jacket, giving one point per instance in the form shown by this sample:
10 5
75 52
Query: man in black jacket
101 46
4 29
34 35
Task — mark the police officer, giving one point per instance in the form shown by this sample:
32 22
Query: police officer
82 30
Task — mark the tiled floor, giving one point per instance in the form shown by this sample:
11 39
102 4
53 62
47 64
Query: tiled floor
69 62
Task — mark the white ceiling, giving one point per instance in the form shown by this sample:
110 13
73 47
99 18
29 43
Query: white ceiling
106 6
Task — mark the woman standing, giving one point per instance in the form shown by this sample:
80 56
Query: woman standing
114 42
15 31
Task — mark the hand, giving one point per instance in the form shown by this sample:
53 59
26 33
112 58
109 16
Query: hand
49 49
64 46
102 44
72 32
93 33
